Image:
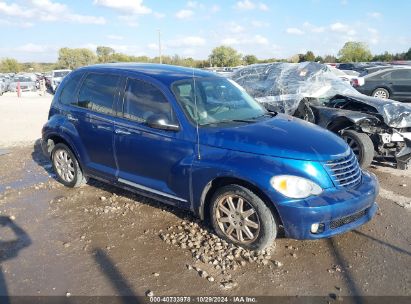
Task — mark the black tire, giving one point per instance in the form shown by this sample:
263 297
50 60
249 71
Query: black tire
305 112
267 230
78 178
362 146
381 93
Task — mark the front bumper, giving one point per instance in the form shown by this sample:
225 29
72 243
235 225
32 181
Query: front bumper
337 210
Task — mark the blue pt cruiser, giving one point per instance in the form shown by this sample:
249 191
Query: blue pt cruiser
198 141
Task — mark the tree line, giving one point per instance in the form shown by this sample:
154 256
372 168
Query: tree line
221 56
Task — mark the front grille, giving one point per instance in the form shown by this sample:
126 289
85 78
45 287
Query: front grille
346 220
345 172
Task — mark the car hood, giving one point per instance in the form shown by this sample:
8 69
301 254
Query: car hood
394 113
282 136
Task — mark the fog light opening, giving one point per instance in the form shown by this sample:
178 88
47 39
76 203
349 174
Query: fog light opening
317 228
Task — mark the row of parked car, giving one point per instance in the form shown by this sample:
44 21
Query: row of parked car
31 81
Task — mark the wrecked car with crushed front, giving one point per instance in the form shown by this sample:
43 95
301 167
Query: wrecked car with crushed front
373 127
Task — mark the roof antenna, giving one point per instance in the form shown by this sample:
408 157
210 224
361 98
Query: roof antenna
197 115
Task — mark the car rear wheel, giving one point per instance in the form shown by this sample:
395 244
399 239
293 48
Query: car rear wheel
66 166
362 146
381 93
241 217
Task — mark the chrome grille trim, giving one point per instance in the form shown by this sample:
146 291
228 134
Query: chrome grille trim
350 171
337 163
344 172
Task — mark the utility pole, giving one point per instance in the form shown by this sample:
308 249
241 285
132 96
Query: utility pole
159 47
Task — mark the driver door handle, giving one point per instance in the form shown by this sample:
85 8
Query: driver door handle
122 132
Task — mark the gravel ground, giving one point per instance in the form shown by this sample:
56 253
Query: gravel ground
99 240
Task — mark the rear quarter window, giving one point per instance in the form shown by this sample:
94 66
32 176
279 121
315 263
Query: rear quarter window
69 92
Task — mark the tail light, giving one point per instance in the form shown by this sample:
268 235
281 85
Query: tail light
355 82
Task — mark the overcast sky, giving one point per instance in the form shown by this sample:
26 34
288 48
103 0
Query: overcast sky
34 30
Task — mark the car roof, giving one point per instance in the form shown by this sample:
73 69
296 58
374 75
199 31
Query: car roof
164 73
385 71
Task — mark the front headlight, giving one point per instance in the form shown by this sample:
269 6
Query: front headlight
295 186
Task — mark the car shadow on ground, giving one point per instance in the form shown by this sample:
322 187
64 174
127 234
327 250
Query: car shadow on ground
40 159
9 249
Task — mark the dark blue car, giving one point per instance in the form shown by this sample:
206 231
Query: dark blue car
198 141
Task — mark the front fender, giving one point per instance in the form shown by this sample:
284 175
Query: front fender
253 169
337 119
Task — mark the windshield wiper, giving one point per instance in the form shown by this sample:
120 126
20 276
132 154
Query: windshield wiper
251 120
254 119
248 120
227 121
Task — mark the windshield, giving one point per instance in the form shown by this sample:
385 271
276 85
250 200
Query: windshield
281 86
60 74
215 100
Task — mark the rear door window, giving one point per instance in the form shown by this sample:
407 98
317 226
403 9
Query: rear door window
98 93
142 100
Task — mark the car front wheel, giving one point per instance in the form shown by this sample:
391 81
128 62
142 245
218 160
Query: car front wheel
362 146
381 93
66 166
241 217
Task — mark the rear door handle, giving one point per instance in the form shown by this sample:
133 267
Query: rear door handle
104 128
71 118
122 132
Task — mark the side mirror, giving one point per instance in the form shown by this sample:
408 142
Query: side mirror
161 122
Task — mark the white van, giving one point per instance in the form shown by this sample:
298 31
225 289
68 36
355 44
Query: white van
56 78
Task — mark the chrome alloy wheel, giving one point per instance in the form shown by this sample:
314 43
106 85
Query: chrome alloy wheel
381 94
64 165
237 219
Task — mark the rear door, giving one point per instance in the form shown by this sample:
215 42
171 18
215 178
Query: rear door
401 83
93 117
154 161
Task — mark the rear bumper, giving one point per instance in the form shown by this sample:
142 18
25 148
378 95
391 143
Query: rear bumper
337 211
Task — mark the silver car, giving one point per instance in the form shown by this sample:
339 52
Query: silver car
27 83
3 86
